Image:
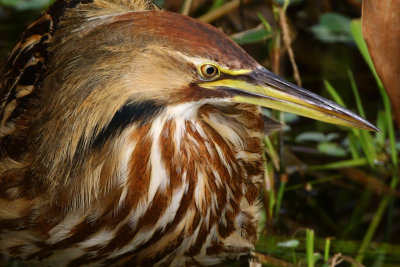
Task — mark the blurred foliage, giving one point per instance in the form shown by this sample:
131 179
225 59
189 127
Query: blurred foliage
291 2
254 35
26 4
342 183
333 27
159 2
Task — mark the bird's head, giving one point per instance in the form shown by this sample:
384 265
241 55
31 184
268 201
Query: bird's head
184 60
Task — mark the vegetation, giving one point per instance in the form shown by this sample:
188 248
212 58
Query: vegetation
331 195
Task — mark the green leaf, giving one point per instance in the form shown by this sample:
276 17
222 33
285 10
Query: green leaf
332 136
254 35
289 244
311 136
289 118
332 149
333 27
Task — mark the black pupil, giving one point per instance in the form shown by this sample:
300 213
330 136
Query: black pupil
210 70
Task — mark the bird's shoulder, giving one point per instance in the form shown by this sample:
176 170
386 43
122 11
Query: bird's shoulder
26 64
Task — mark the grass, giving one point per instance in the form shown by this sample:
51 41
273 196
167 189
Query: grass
369 151
310 248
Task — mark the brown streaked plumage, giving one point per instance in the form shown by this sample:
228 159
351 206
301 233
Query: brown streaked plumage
131 135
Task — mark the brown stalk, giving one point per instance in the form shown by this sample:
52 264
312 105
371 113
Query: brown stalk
186 7
265 259
221 11
287 42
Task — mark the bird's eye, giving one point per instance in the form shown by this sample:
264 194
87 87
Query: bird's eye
209 71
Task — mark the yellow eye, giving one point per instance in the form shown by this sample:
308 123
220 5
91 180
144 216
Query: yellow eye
209 71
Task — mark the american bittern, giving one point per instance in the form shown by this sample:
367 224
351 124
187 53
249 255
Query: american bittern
133 135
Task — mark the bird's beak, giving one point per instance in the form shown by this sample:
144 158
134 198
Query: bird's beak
263 88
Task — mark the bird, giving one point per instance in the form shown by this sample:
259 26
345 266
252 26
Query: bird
132 136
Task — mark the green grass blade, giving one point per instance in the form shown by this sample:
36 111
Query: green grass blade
364 137
315 182
393 186
267 26
356 94
353 141
216 4
340 164
332 91
368 147
360 209
285 5
279 198
355 27
380 137
272 153
251 36
310 247
327 247
372 228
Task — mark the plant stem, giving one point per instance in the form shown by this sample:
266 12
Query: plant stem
310 247
221 11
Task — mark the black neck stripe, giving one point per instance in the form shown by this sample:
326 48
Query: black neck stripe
129 113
